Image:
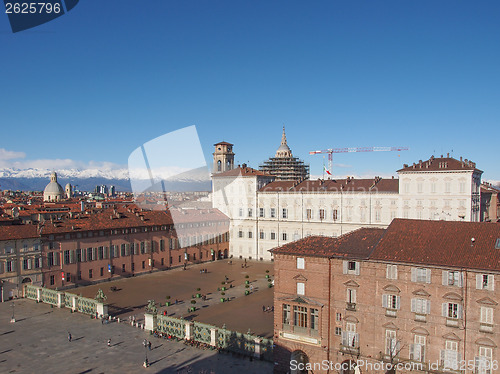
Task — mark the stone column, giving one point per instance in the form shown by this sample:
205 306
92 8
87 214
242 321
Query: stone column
257 347
213 337
149 321
75 304
102 309
39 294
189 330
60 299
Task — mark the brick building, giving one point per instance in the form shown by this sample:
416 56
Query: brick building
418 296
114 242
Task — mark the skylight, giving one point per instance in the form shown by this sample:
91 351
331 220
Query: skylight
497 245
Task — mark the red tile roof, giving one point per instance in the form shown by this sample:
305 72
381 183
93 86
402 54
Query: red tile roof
441 243
14 232
243 172
355 244
223 143
334 185
439 164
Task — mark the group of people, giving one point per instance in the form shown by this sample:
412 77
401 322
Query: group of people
203 271
268 308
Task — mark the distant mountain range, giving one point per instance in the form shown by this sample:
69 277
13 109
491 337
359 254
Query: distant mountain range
84 180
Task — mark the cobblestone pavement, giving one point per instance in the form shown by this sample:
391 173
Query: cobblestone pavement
38 343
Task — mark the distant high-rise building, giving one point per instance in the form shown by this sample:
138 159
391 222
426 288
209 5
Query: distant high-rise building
283 165
112 191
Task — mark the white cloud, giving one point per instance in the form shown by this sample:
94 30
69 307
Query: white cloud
10 155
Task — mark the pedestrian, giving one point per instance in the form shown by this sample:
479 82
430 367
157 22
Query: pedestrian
149 345
145 343
69 337
251 288
263 308
109 342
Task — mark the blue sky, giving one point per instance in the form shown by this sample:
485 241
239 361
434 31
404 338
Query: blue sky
95 84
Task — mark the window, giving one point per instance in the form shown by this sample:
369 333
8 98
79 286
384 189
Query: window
449 355
25 264
447 187
132 267
349 336
286 314
273 213
79 275
392 272
485 282
250 212
240 234
144 264
351 296
314 319
284 213
335 214
261 212
284 236
391 343
497 244
90 273
417 349
301 288
421 306
452 278
52 280
250 235
50 258
321 214
351 267
262 235
68 277
452 310
484 362
273 235
100 253
421 275
240 212
123 268
391 301
308 213
101 272
162 245
338 317
78 255
300 316
486 315
338 331
66 257
300 263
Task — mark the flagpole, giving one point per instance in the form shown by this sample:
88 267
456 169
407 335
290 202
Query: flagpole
323 167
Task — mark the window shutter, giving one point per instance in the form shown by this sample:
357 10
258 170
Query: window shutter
40 262
72 257
29 263
428 275
358 265
388 272
14 265
428 306
460 311
460 279
412 351
384 301
491 282
445 309
442 355
106 252
354 296
413 274
344 265
479 282
394 271
127 249
413 305
1 267
94 253
445 277
398 302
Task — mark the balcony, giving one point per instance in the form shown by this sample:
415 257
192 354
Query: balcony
351 307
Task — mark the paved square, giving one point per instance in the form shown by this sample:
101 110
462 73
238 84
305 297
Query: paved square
38 343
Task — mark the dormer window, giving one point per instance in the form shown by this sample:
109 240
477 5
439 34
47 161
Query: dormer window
351 267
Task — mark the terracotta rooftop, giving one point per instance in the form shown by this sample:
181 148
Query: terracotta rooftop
355 244
14 232
241 171
440 164
223 143
441 243
334 185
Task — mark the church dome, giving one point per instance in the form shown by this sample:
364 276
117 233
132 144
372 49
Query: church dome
53 191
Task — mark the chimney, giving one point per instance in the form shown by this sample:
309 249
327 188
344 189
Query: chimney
460 158
448 155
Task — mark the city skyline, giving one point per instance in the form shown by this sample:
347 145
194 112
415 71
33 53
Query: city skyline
88 88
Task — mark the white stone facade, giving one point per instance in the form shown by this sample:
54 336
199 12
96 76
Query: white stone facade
261 220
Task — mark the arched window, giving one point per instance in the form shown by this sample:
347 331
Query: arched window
219 165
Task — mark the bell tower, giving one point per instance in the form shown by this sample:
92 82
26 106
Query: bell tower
223 157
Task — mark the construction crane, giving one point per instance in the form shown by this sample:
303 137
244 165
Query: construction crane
354 149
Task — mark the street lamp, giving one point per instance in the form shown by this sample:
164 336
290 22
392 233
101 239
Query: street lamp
12 319
146 362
